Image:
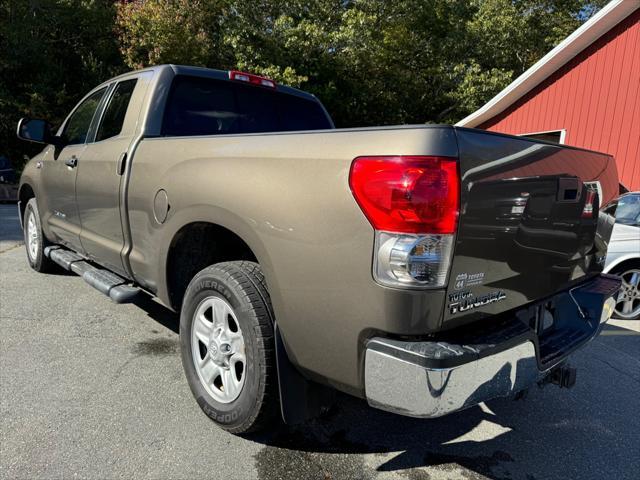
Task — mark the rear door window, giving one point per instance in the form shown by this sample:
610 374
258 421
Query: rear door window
202 106
113 118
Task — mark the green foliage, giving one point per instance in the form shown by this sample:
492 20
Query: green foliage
371 62
506 37
51 54
160 31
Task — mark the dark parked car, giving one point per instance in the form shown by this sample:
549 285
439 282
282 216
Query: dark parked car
7 172
8 180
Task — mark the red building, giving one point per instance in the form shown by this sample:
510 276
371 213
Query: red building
585 92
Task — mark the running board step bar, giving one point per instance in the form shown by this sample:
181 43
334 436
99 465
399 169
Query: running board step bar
112 285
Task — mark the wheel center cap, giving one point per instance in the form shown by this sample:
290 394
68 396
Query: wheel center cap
219 351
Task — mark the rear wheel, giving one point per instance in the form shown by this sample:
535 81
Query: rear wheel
34 239
628 302
227 346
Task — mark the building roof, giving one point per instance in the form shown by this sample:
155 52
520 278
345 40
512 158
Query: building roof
603 21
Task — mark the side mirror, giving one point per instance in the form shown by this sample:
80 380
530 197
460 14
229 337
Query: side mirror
36 130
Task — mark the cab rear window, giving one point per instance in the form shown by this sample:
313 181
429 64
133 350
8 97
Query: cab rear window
202 106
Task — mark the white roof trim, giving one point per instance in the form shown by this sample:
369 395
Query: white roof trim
603 21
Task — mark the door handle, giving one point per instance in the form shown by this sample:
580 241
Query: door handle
71 162
122 163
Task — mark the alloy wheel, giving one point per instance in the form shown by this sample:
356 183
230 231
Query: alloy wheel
218 349
628 302
33 239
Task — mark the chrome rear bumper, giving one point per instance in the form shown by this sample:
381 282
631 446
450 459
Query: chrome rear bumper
429 379
408 388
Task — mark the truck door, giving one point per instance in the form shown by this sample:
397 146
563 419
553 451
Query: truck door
101 172
59 210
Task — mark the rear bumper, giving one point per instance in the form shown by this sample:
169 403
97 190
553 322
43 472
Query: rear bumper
433 378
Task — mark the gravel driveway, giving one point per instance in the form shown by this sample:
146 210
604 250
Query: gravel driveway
91 389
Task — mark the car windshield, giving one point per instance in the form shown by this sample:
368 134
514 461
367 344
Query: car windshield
628 211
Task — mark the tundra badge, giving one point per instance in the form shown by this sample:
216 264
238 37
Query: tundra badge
463 301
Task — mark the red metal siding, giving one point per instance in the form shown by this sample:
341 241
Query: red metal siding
595 97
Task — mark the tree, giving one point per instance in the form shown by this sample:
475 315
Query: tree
51 53
505 38
371 62
172 31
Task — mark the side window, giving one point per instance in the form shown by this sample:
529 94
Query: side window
78 125
263 110
300 114
198 106
611 208
202 106
113 118
259 109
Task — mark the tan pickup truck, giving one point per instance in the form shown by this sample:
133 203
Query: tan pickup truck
425 268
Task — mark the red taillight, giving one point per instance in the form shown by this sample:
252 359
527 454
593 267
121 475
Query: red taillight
251 78
587 211
408 194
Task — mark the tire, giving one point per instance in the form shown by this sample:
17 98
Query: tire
34 240
234 381
628 300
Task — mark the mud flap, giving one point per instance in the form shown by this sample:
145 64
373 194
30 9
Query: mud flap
300 399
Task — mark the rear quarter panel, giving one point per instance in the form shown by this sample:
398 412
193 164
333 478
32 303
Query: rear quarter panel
287 196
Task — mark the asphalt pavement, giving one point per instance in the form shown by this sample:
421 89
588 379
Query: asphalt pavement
91 389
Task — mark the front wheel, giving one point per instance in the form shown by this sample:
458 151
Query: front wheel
227 346
34 239
628 302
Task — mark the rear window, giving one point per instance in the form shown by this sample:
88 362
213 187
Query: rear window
202 106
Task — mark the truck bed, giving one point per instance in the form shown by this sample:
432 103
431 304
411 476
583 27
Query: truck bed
287 195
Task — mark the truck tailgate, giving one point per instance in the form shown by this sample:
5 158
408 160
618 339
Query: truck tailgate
530 222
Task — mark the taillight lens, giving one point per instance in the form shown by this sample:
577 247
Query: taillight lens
413 261
408 194
413 204
587 211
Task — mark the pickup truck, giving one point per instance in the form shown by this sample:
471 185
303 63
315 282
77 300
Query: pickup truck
423 268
